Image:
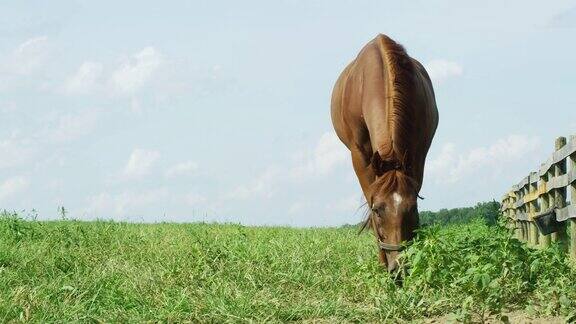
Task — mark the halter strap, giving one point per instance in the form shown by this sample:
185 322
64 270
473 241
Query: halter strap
386 246
390 247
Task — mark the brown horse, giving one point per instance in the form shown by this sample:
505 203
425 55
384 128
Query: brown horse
384 111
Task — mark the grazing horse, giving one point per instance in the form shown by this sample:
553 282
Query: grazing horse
383 109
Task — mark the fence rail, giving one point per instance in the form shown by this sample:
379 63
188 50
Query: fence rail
546 199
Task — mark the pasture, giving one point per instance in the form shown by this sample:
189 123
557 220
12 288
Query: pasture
107 271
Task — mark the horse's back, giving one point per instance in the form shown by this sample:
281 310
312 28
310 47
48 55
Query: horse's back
337 105
346 105
427 99
349 94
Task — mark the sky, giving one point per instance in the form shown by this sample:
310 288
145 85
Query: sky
219 111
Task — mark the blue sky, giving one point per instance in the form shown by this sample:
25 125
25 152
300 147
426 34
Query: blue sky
219 110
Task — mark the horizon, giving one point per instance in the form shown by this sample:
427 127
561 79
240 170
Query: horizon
220 112
32 216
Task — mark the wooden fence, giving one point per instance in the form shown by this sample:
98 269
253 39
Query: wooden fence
550 189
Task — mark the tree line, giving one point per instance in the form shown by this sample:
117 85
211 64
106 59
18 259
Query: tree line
488 211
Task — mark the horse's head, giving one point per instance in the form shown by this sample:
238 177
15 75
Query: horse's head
394 211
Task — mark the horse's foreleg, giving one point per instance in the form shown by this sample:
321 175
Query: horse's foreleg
366 177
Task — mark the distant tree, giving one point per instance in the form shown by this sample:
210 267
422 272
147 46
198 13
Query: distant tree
487 211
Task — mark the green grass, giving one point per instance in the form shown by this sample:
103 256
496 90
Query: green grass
105 271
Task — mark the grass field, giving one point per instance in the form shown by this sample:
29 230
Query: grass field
105 271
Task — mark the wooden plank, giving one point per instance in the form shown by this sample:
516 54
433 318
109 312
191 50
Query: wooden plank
519 203
523 182
521 216
507 203
568 212
556 182
546 166
534 177
503 204
559 155
531 196
561 181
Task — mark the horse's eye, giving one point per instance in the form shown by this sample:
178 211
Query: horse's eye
379 211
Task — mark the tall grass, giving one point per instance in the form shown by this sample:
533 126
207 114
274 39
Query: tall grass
107 271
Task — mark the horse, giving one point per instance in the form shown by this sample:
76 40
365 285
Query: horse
384 110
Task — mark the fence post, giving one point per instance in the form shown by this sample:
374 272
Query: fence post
514 212
544 205
519 211
572 187
559 195
526 230
533 188
524 209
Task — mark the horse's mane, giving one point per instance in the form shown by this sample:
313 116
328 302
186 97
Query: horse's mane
394 159
399 72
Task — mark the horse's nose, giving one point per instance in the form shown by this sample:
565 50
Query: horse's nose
392 266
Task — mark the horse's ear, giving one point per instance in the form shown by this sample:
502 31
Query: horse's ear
377 164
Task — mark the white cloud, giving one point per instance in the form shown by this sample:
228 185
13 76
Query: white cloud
441 70
85 80
73 126
135 105
194 199
262 186
126 202
12 186
8 106
132 75
348 204
16 150
326 156
442 164
297 207
19 149
23 66
187 168
451 166
565 19
132 204
140 162
29 56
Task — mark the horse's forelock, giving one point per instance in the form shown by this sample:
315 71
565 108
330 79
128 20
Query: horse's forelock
390 182
393 181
